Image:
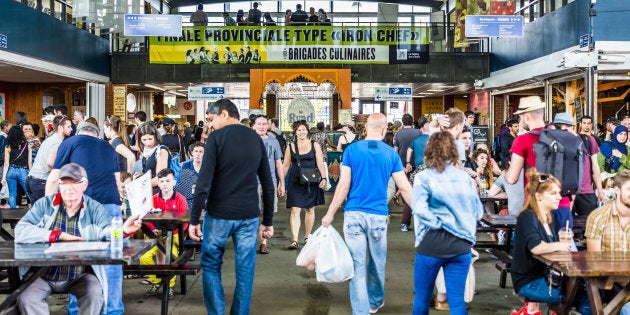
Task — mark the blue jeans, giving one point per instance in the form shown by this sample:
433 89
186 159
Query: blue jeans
215 235
538 291
625 310
366 235
114 304
15 176
426 269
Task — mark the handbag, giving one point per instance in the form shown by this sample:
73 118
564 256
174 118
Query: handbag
308 175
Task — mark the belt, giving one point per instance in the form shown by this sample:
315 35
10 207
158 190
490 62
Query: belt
17 166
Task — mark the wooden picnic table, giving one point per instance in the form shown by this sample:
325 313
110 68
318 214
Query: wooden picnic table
11 216
503 252
600 270
14 255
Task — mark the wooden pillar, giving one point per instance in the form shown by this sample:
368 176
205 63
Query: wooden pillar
272 105
158 105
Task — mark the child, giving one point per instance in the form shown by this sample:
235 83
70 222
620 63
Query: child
125 178
168 200
607 186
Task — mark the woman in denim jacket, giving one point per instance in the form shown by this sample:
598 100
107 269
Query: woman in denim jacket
446 208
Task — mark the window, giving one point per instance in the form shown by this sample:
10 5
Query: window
318 5
290 5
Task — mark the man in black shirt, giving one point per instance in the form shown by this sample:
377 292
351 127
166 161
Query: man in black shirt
227 188
299 17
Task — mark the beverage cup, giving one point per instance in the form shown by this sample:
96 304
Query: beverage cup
565 235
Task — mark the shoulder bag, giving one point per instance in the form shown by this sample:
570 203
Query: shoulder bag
308 175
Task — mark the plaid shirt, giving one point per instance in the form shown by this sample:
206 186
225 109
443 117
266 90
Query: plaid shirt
604 224
70 226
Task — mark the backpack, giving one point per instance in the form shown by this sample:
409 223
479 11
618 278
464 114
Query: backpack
496 144
281 140
173 162
561 154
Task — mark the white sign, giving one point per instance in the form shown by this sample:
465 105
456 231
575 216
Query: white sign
301 109
196 93
345 116
140 195
392 94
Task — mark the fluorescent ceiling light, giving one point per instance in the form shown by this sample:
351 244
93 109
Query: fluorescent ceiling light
151 86
172 86
447 86
435 90
425 93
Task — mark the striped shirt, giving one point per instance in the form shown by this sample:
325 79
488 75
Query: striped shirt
604 224
69 225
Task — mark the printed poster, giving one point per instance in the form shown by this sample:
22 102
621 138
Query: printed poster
140 195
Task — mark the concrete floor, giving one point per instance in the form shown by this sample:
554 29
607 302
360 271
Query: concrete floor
281 287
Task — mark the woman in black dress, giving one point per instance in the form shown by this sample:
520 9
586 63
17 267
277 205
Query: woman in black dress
303 196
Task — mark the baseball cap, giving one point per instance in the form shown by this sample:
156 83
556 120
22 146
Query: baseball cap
73 171
612 120
168 121
563 118
528 104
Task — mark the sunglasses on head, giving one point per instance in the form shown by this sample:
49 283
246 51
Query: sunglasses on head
543 178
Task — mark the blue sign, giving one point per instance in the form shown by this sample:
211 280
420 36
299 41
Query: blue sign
494 26
212 90
584 40
153 25
3 41
400 91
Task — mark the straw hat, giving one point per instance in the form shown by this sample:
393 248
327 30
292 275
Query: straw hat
528 104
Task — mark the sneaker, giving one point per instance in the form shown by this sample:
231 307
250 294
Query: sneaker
375 310
171 293
154 289
501 237
404 227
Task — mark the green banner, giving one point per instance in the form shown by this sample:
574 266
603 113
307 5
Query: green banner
291 44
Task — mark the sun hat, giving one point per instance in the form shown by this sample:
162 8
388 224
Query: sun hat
528 104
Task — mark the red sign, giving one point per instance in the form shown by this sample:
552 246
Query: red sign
188 105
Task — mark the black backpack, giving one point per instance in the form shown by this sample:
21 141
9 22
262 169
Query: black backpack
561 154
281 140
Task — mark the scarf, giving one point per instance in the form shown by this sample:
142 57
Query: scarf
608 146
147 152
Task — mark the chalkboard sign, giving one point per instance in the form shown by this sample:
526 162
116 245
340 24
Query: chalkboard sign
578 108
480 134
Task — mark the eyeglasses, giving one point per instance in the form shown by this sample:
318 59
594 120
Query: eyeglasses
543 178
68 184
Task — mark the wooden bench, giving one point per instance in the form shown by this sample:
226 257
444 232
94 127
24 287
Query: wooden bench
172 270
503 265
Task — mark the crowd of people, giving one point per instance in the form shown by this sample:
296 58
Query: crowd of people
255 17
237 169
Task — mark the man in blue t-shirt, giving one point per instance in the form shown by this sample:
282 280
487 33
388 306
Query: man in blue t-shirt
367 167
100 161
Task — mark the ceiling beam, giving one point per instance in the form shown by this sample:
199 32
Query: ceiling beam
436 4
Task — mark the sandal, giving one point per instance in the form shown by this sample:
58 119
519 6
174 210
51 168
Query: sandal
264 249
305 240
146 282
294 245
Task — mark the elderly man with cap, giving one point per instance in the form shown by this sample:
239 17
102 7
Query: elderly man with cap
586 200
100 161
68 216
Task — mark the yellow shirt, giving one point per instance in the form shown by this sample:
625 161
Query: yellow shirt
604 224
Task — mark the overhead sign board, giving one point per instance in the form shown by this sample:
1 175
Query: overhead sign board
206 92
584 40
153 25
392 94
494 26
3 41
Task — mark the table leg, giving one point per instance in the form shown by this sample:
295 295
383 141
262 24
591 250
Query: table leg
572 286
6 235
29 278
618 301
165 282
169 247
593 297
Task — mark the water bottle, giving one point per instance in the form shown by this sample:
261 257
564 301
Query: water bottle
482 187
117 236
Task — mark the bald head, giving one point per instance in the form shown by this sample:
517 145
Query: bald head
376 126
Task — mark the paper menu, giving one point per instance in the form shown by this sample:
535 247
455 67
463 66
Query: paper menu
64 247
140 195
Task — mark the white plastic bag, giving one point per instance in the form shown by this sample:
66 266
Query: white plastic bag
469 291
4 192
308 254
333 261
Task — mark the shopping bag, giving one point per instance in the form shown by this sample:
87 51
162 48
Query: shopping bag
469 291
4 192
333 261
308 254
